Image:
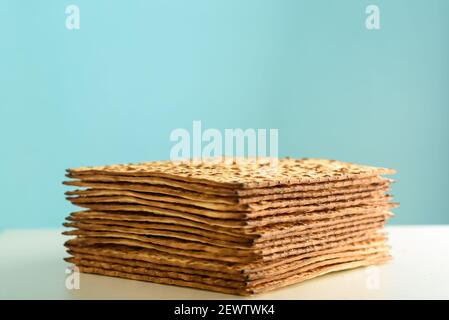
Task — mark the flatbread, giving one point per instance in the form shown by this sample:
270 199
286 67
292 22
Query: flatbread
146 212
305 266
317 272
102 196
234 268
149 183
340 187
160 280
244 173
113 270
300 262
76 254
198 250
265 234
193 235
240 226
117 202
279 223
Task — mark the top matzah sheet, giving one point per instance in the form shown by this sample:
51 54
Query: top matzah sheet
244 173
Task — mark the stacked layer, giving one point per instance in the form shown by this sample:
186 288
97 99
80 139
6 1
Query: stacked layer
243 227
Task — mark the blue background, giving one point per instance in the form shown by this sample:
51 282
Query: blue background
113 91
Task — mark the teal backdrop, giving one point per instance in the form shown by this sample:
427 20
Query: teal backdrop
113 91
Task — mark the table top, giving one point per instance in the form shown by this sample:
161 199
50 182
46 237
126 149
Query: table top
32 267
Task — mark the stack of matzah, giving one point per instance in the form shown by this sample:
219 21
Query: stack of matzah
242 227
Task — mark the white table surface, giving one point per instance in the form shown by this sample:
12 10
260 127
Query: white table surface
31 267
